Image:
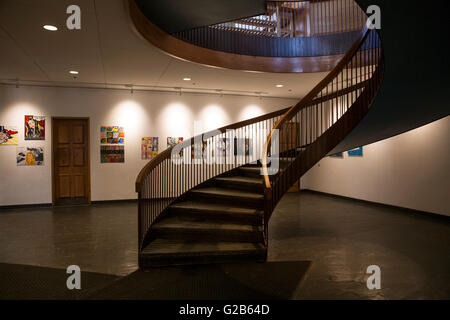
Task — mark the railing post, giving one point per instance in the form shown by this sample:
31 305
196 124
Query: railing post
139 229
268 207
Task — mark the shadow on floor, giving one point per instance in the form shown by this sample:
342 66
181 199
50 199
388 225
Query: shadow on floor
270 280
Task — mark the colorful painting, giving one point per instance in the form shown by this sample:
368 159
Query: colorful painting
112 154
9 136
30 156
149 147
358 152
34 128
337 155
172 141
112 135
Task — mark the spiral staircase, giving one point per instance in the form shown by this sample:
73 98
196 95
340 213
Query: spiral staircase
210 198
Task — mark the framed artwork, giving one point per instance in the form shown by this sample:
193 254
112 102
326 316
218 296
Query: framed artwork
112 154
30 156
112 135
337 155
358 152
34 128
9 136
223 147
199 150
149 147
242 146
172 141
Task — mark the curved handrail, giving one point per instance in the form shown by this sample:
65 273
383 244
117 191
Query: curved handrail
306 100
164 180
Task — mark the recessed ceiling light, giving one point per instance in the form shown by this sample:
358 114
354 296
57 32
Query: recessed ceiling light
187 79
73 72
50 27
279 86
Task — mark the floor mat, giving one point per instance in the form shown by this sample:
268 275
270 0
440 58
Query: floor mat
270 280
22 282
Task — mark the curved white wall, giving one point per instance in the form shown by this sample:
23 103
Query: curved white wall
141 113
411 170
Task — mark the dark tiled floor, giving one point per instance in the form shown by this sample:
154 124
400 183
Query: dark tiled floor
340 237
98 238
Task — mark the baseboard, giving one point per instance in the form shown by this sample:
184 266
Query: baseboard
114 201
49 205
407 210
26 206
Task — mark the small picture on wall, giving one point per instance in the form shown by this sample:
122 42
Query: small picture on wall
199 150
337 155
172 141
149 147
358 152
112 154
9 136
242 146
34 128
30 156
112 135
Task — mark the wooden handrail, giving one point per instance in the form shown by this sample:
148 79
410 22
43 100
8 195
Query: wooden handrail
308 99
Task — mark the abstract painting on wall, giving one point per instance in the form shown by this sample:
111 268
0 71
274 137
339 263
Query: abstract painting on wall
34 128
30 156
337 155
112 154
9 136
149 147
358 152
112 135
172 141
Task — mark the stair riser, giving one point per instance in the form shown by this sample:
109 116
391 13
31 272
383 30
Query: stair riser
250 173
253 187
170 260
235 201
208 235
217 216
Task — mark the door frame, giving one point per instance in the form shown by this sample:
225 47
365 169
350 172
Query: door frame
88 155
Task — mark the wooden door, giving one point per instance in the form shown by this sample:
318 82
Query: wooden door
71 170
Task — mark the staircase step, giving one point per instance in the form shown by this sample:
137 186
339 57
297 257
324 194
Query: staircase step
232 196
241 183
175 227
253 172
163 252
216 211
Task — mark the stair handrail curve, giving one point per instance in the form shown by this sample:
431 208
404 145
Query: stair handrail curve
365 53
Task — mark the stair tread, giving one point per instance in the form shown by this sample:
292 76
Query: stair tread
178 223
229 193
183 247
240 179
209 206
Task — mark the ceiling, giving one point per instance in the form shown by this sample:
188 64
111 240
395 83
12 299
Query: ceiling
109 53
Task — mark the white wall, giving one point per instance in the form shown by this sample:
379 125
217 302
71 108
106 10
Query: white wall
411 170
141 113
